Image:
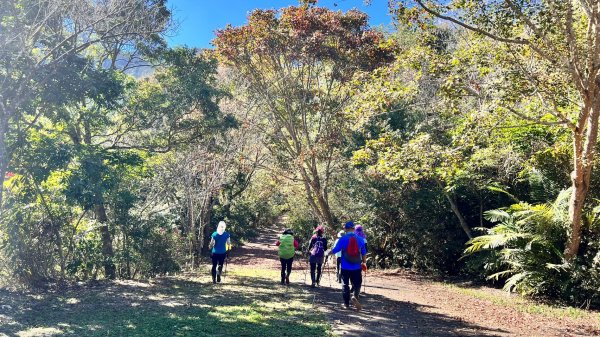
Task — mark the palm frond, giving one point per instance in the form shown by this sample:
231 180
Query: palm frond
557 267
497 215
561 205
492 241
502 274
503 191
514 280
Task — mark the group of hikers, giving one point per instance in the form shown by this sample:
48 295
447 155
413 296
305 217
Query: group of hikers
349 248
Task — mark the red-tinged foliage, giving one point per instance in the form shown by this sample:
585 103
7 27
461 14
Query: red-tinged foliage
298 63
302 35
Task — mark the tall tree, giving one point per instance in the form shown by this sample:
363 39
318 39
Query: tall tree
39 40
550 62
297 64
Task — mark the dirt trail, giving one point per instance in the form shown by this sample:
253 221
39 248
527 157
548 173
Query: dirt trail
401 304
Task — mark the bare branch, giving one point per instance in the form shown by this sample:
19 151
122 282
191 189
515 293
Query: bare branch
470 27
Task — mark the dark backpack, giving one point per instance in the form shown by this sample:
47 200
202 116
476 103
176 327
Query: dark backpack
317 249
352 252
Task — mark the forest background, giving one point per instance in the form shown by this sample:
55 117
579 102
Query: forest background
464 139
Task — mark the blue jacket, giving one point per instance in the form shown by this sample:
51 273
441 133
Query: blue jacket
341 245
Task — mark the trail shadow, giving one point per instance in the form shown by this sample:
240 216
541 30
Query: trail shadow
164 307
380 287
382 316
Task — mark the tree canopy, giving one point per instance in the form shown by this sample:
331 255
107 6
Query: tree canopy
463 138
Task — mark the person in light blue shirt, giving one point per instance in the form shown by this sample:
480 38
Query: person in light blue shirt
353 262
338 258
220 242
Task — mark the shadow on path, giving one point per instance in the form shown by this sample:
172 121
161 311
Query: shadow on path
382 316
170 306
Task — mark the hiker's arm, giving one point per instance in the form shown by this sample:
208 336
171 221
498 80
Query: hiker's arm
310 245
228 244
363 252
337 247
212 243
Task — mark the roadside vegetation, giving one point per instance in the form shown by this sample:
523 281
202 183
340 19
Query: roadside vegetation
464 139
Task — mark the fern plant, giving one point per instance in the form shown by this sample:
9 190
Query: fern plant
529 240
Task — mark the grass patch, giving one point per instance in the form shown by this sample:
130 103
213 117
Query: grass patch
528 306
249 303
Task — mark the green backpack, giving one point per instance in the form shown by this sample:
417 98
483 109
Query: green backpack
286 246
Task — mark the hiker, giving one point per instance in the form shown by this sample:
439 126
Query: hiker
353 262
338 258
220 243
361 234
358 229
316 249
287 249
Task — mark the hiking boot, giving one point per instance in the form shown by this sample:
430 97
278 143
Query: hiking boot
287 279
356 303
219 278
214 281
346 306
282 280
312 285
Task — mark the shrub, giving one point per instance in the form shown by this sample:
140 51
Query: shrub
528 243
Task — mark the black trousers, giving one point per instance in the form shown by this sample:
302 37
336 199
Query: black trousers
286 267
338 269
217 259
353 277
315 268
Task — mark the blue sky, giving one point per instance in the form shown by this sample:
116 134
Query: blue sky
198 19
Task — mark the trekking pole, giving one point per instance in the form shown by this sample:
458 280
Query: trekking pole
226 263
305 267
365 284
328 270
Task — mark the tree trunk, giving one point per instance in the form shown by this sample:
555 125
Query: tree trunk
325 209
100 211
313 191
3 153
192 229
461 219
309 195
55 225
583 157
204 230
480 212
107 248
453 204
321 195
127 254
